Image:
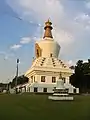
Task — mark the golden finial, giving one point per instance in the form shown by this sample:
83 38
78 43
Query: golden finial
48 29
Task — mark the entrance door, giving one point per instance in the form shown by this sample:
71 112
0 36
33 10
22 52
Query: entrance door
44 89
35 89
74 90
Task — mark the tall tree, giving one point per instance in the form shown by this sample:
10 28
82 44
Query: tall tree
81 77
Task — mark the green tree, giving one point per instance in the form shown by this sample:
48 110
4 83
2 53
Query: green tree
20 80
81 77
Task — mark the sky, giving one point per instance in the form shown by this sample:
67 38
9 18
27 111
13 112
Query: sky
21 25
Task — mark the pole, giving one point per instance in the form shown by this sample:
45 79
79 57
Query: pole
16 74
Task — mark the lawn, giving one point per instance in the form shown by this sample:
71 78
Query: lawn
32 107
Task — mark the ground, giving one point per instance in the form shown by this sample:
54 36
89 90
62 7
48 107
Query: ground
38 107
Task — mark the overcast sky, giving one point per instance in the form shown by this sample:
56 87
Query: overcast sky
21 24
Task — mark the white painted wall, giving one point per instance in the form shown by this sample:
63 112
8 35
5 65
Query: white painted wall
37 78
71 90
40 89
48 78
77 90
48 46
50 90
31 89
67 80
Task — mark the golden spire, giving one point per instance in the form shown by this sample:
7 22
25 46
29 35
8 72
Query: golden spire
48 29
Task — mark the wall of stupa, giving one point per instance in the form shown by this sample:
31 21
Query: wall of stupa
49 47
36 77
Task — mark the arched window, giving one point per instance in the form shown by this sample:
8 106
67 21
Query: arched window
37 53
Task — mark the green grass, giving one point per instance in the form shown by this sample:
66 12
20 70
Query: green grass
38 107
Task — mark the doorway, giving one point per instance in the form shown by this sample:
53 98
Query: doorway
35 89
44 90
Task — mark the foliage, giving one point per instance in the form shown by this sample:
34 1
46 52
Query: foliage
81 77
20 80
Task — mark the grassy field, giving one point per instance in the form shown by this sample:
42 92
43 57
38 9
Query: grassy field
38 107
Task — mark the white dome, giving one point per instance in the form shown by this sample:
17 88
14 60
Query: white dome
49 47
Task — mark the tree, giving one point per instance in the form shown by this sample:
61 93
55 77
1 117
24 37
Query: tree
20 80
81 78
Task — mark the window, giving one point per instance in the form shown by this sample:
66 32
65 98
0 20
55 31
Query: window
53 79
31 79
51 55
37 53
44 89
42 78
35 89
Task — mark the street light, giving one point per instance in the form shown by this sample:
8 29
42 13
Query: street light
17 62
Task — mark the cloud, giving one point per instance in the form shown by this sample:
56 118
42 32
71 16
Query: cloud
71 63
64 38
6 56
70 30
83 19
87 5
15 47
52 9
85 61
42 8
25 40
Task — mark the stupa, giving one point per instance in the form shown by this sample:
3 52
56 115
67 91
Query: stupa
46 67
60 92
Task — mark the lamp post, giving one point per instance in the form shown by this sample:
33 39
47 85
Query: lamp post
17 62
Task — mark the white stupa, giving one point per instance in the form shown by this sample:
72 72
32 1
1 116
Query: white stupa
60 92
44 71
